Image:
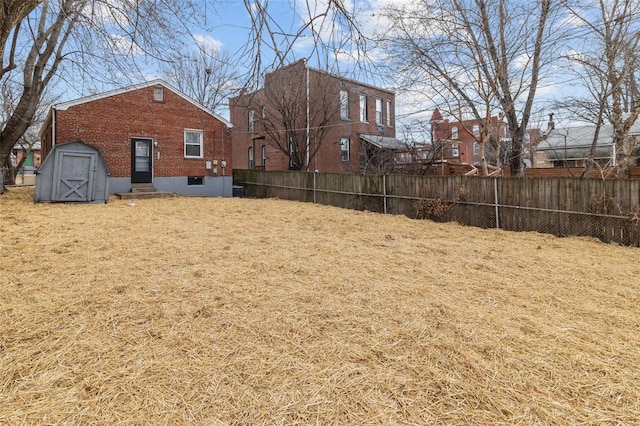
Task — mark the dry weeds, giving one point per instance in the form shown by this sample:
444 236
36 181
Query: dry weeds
239 311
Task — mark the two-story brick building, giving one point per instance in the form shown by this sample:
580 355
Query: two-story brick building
148 133
307 119
461 140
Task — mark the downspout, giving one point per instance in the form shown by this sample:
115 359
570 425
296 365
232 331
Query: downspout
214 153
53 126
308 157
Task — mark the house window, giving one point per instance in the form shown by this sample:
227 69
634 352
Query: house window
476 148
251 119
344 105
158 94
194 180
263 155
291 153
454 133
389 122
193 143
476 130
250 159
344 149
455 150
263 111
363 108
379 111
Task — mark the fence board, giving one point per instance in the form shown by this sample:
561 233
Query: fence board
603 208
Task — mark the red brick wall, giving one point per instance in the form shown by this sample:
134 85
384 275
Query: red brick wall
110 123
324 90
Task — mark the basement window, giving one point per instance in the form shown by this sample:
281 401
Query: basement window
195 180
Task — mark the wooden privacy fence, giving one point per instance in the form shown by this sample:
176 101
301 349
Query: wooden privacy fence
604 209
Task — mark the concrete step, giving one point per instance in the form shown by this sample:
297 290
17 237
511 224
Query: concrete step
144 195
143 187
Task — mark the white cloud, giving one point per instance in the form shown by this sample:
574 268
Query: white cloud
207 43
124 46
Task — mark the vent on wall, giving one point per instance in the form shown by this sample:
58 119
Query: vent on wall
158 94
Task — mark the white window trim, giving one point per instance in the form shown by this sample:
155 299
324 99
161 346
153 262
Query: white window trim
476 130
363 108
344 105
201 144
454 133
389 120
455 150
251 120
379 112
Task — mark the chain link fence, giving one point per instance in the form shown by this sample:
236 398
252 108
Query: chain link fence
606 210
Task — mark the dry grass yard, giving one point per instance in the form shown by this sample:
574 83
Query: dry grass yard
240 311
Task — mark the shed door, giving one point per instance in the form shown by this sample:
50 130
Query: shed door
74 175
141 161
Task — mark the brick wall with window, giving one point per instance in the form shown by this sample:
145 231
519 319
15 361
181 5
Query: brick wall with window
185 136
345 120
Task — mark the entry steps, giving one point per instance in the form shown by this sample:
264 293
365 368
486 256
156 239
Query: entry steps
141 191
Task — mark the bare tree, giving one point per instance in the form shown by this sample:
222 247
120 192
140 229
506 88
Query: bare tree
10 92
74 38
285 118
208 75
93 44
329 28
480 57
608 68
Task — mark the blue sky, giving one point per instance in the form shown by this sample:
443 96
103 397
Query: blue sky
225 24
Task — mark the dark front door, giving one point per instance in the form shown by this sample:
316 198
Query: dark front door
141 161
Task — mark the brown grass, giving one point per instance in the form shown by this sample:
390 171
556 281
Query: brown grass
238 311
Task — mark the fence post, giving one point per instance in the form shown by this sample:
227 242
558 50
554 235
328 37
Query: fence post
315 173
495 198
384 193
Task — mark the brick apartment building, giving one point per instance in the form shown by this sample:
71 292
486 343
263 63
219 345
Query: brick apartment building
306 119
460 140
148 133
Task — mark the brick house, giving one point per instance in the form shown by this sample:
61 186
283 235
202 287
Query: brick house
148 133
461 138
461 145
31 155
307 119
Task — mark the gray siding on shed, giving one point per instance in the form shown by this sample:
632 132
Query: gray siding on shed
73 172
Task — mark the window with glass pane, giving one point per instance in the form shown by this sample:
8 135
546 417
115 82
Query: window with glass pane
251 119
389 122
344 105
142 156
378 111
363 108
193 143
344 149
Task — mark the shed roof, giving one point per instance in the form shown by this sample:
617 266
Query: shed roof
385 142
575 142
581 136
